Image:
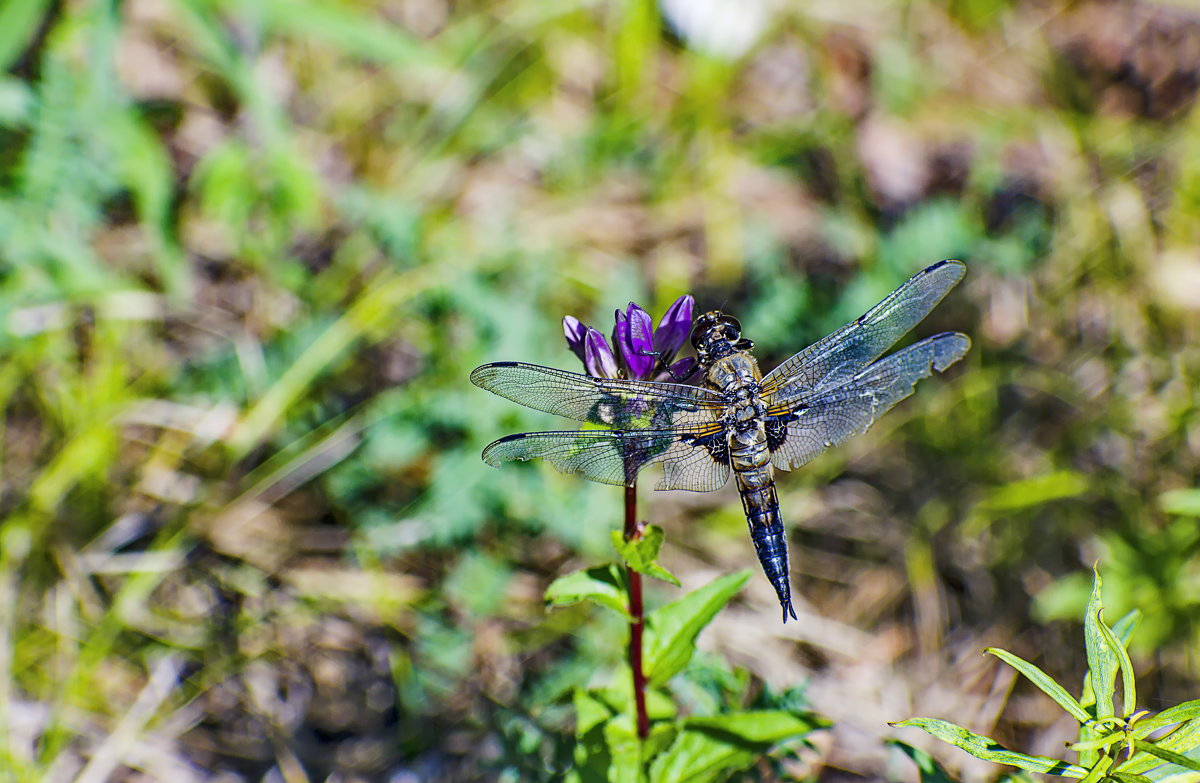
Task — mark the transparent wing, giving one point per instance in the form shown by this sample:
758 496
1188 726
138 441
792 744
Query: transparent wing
625 405
796 433
697 459
834 359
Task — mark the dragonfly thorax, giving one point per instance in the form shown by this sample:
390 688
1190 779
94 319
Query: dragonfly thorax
736 377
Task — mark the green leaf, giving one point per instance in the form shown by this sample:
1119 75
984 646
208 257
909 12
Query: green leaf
930 770
619 695
1124 627
760 725
1125 777
1177 714
1167 755
989 750
671 630
1185 502
1102 663
1128 686
1168 774
1184 739
1035 491
1098 770
626 750
602 585
1044 682
641 554
709 748
590 710
1112 738
18 23
592 755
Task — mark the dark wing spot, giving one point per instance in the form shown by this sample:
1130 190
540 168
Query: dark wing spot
716 444
777 429
508 438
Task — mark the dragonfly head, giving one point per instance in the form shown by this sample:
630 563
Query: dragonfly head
716 335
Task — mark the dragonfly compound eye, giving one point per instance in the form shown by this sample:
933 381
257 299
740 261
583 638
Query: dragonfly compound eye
730 328
704 325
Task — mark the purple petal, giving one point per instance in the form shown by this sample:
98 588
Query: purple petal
675 326
575 333
639 343
620 333
684 367
598 357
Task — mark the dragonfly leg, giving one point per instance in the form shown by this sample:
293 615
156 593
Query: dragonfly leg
667 367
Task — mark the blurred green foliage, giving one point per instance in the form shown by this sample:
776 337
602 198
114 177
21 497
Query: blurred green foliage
249 252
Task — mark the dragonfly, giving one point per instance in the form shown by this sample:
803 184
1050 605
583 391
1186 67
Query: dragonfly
738 421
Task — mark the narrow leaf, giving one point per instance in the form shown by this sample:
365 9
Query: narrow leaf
1128 686
1102 663
1184 739
1169 774
1124 627
601 585
989 750
1098 770
1044 682
1097 743
1167 755
1177 714
671 630
1125 777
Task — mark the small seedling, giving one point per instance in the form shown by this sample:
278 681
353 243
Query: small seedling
1112 747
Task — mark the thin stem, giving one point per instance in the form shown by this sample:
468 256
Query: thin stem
637 622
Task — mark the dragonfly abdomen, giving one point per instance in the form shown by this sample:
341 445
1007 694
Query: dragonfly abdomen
756 485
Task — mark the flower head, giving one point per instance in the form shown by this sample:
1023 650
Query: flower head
642 352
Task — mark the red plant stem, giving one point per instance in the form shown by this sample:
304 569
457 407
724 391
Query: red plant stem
637 622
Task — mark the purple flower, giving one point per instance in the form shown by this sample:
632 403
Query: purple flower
576 332
598 357
642 352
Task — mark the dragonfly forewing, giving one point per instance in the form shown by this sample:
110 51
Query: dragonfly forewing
800 430
619 404
840 356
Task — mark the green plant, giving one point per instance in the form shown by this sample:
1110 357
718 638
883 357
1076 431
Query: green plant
1130 745
676 747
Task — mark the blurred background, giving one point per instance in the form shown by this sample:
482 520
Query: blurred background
250 252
